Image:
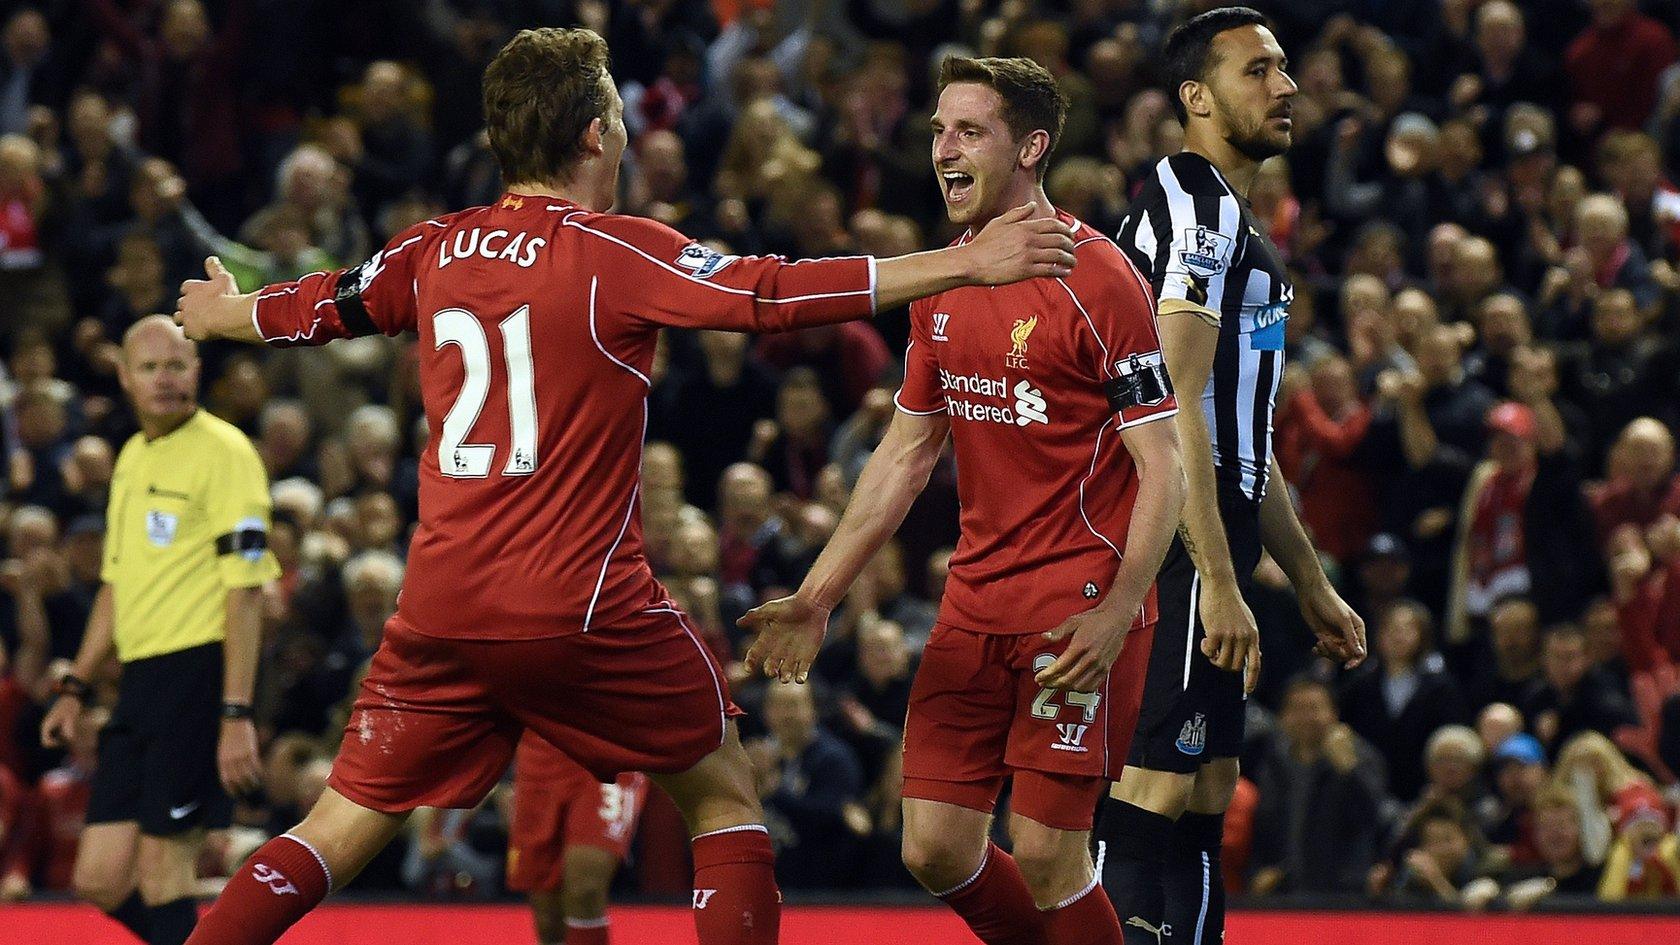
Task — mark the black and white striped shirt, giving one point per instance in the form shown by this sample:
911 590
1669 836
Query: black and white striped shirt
1203 250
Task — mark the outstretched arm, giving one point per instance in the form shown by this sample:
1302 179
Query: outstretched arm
376 297
791 629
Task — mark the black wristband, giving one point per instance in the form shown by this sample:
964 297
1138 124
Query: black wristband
72 685
236 710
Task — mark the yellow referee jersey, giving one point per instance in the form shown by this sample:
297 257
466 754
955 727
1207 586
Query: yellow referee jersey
187 522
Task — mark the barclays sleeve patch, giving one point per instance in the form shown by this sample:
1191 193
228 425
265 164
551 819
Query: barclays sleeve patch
703 261
1205 252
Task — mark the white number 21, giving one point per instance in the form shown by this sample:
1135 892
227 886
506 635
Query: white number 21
461 460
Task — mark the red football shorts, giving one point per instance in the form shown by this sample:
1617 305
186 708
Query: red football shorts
976 715
556 806
436 721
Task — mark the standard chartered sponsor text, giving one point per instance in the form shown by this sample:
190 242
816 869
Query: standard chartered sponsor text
1029 404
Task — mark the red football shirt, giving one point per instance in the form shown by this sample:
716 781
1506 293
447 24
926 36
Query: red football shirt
537 322
1046 486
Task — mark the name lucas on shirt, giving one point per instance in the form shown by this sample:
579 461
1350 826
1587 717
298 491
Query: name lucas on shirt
470 243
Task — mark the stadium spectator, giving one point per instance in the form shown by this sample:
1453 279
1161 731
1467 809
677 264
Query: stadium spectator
1523 515
1644 860
1514 637
1519 772
1443 859
1382 574
1641 482
812 786
1320 431
1402 696
1613 67
1323 800
1497 722
1645 580
1563 869
1570 697
187 102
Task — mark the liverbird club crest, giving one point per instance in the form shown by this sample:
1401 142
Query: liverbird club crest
1017 356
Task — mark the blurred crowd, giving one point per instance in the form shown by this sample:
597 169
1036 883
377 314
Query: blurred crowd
1478 421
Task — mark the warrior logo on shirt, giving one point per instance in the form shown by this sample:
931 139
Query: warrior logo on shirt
1071 735
940 320
703 260
1017 356
1192 738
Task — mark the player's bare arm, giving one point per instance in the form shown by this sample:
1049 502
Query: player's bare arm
1340 631
1188 340
1099 634
791 629
1014 246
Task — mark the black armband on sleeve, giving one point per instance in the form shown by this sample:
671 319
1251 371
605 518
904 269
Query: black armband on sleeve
246 541
347 296
1139 381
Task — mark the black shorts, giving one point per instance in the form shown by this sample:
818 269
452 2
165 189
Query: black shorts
1192 710
157 756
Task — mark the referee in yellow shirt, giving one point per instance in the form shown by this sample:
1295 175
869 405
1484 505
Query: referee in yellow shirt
185 559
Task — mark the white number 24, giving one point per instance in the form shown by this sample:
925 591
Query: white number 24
1044 707
461 460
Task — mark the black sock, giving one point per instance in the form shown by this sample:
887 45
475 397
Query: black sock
132 915
1131 842
172 922
1194 885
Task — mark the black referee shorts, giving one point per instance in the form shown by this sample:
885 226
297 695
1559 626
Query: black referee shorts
1193 710
157 756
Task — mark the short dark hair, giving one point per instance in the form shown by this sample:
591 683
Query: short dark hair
540 94
1302 681
1032 101
1185 57
1563 631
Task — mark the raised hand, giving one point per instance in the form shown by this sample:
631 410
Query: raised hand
1018 245
212 307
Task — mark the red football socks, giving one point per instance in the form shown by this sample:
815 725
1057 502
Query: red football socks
736 901
996 903
284 879
1087 918
587 932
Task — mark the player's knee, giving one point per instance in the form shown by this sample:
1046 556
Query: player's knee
1214 786
584 900
937 862
165 868
1052 870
